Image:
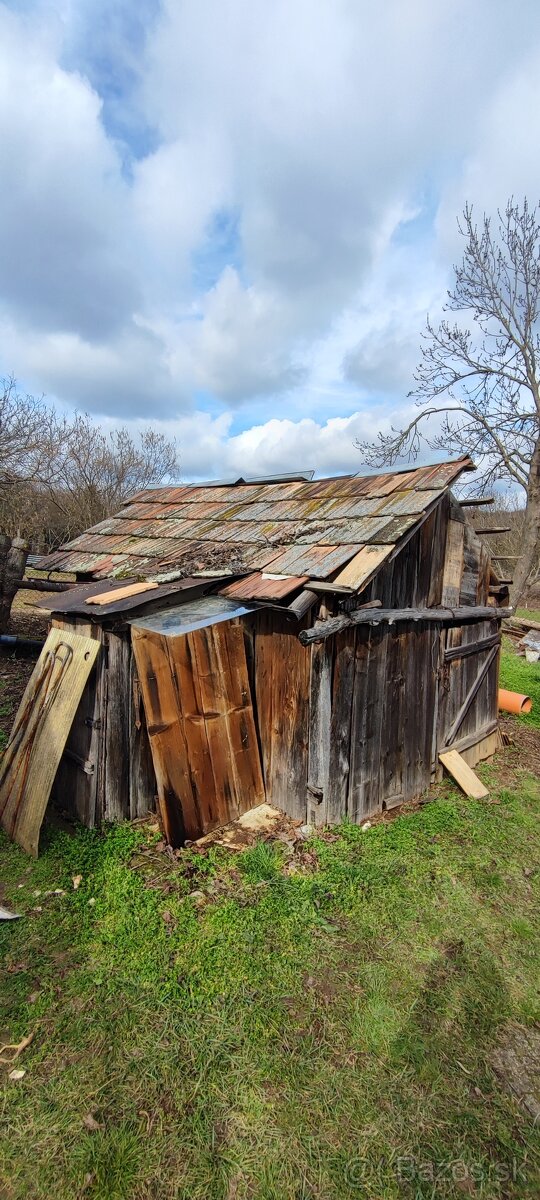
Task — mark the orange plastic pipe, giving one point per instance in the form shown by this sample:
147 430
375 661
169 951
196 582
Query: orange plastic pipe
513 702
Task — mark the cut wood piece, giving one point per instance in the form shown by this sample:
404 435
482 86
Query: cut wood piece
40 732
133 589
359 570
464 776
453 565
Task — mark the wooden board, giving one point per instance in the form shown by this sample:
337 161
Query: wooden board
453 566
360 569
463 774
40 732
196 694
133 589
282 673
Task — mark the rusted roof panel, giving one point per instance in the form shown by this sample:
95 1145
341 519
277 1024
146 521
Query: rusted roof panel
261 587
317 562
393 530
443 474
407 503
357 531
312 527
140 511
74 601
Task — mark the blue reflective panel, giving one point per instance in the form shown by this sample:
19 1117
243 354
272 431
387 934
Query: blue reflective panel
194 614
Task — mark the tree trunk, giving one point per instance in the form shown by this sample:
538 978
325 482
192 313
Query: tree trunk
529 547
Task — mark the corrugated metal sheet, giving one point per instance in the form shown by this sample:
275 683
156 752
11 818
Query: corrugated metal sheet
260 587
245 527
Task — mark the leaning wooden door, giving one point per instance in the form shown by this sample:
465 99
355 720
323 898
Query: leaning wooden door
197 699
468 685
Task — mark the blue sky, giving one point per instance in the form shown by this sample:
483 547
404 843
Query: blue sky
230 217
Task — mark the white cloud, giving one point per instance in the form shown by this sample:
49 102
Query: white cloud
327 132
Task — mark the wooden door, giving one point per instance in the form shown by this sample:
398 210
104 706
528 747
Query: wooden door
468 685
199 711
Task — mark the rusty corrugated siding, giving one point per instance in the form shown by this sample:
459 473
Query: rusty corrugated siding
261 587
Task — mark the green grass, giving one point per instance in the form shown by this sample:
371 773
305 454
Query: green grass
532 614
301 1028
518 675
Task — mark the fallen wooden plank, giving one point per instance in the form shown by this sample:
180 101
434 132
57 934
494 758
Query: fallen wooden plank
133 589
464 776
40 732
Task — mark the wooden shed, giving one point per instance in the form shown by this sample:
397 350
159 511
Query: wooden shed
314 644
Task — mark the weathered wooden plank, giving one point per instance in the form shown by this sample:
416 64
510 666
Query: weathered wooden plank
320 710
40 731
178 809
393 701
478 735
262 666
361 568
123 593
366 724
229 718
463 651
282 668
463 774
116 733
340 726
472 552
75 790
453 565
184 667
471 693
142 777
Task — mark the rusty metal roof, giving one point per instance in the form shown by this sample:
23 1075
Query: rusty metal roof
301 529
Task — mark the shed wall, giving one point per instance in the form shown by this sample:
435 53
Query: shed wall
343 728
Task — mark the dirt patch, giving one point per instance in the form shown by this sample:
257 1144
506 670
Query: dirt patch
523 754
516 1063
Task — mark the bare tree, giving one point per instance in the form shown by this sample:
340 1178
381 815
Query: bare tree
91 474
23 420
478 382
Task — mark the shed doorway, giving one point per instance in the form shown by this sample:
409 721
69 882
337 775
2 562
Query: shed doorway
194 678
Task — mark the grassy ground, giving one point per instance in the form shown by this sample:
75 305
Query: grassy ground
290 1023
532 614
518 675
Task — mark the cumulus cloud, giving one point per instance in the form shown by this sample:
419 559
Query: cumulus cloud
334 141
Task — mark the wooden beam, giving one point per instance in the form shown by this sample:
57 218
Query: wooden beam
472 648
325 585
499 529
476 501
375 616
